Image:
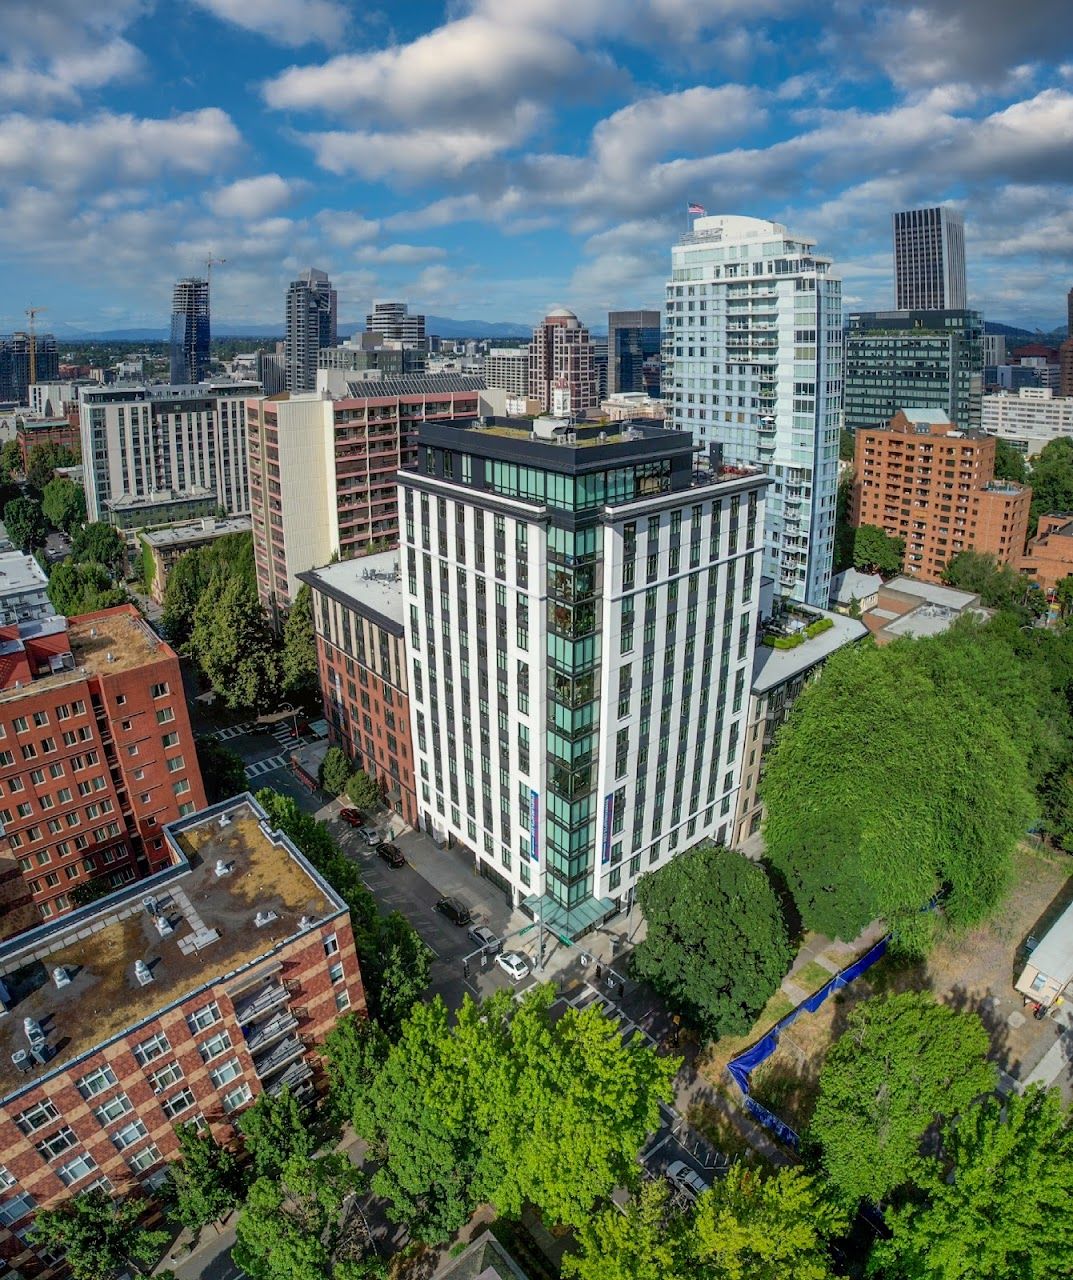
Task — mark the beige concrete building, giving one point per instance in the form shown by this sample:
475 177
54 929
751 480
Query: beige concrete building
1028 420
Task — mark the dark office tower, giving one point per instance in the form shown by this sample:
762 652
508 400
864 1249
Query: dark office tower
311 325
1069 314
633 353
929 261
15 362
189 331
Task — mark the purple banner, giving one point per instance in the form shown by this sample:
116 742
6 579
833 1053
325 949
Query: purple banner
534 826
609 811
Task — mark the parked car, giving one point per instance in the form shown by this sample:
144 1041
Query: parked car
484 938
686 1180
391 853
369 834
352 817
455 910
514 964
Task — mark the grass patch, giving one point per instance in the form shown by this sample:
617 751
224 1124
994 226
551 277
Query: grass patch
811 977
715 1057
712 1122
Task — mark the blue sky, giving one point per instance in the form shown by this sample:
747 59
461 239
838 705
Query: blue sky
489 158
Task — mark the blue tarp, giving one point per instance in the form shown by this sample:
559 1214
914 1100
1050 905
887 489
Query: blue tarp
744 1064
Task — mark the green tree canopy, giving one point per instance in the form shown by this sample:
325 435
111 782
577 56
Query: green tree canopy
1064 595
222 770
334 771
294 1227
363 790
299 658
888 784
233 645
10 461
190 576
645 1241
716 947
44 459
99 1236
64 504
995 1206
847 444
77 588
1052 480
355 1050
999 586
1009 463
903 1062
874 551
507 1105
275 1132
206 1178
25 523
100 543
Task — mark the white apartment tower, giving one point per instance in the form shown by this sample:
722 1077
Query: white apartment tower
581 611
929 260
508 369
752 357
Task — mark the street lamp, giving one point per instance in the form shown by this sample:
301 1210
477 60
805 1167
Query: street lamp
287 706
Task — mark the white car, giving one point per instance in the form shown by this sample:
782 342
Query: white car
513 964
686 1180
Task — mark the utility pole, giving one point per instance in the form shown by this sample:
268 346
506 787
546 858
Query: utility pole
32 313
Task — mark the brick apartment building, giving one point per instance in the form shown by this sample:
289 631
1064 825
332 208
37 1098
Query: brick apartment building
322 471
362 670
1048 557
179 999
96 756
32 432
921 479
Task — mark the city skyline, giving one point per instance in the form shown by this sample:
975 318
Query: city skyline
492 159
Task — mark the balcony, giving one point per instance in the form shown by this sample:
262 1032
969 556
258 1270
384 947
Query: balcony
278 1057
294 1077
266 1033
267 998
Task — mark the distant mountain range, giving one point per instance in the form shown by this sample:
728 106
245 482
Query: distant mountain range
444 327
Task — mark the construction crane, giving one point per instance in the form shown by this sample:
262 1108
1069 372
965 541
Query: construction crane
31 314
211 262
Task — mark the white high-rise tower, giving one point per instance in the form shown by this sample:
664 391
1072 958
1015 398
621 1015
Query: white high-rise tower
752 354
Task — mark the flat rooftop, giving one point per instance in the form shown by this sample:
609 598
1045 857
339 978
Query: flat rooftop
933 592
772 667
20 573
199 531
929 619
372 583
213 934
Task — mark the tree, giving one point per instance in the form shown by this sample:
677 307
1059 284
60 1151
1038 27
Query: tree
1064 595
904 770
222 770
749 1226
844 530
233 645
399 971
355 1049
299 658
999 586
275 1131
874 551
510 1106
206 1178
716 947
646 1241
25 523
1052 480
903 1062
101 543
83 588
64 503
362 790
294 1228
995 1206
190 577
847 445
43 461
1009 464
334 770
99 1236
10 461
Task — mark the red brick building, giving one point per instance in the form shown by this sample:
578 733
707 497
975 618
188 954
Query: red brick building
31 432
1048 557
179 999
921 479
362 671
96 756
322 471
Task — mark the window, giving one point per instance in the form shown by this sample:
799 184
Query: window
215 1045
7 1180
237 1097
335 973
170 740
62 1140
342 999
331 945
77 1169
160 690
115 1107
129 1135
177 1103
12 1210
151 1049
181 787
142 1160
201 1019
226 1073
166 1077
96 1082
176 764
165 715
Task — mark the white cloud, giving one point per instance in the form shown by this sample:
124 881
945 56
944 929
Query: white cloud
107 149
404 254
347 228
288 22
251 197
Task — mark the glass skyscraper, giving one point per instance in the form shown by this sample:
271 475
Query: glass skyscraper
633 352
189 349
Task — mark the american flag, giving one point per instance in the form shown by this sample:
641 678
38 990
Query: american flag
696 208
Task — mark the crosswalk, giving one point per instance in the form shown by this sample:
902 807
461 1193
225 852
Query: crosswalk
265 766
283 732
233 731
